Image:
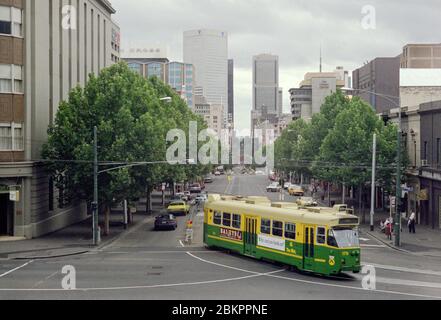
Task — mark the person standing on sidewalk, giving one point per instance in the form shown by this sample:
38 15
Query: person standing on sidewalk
411 223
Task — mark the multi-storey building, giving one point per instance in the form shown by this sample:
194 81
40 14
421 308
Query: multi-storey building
152 62
213 114
46 49
380 76
308 99
207 51
421 56
231 92
266 83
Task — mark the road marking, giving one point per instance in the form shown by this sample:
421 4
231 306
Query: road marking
372 246
15 269
145 287
364 239
325 284
182 244
402 269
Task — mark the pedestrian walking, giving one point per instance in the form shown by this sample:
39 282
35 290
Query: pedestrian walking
388 228
411 222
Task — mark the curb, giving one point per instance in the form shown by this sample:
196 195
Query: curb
389 245
51 256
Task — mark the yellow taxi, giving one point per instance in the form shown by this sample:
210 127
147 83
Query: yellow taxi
178 207
295 190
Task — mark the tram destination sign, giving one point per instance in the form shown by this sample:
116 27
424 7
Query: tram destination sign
231 234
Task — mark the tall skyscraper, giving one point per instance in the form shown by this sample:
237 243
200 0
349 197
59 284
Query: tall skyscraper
231 91
207 51
266 83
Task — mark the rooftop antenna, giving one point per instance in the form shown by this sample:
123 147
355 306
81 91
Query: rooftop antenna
320 58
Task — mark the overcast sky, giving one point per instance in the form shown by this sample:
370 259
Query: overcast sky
291 29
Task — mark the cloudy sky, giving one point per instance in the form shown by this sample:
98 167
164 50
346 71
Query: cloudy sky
292 29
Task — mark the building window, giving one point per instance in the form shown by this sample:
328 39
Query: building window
11 137
425 151
11 78
438 150
11 21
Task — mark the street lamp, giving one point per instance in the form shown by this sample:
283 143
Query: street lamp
392 99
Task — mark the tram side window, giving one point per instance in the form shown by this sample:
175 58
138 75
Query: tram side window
265 226
321 235
227 220
290 231
217 218
331 239
277 228
236 221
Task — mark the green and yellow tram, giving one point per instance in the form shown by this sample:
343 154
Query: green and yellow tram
319 240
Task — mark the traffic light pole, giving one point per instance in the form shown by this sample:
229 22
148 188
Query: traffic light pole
374 158
397 219
96 233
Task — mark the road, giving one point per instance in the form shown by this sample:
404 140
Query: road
144 264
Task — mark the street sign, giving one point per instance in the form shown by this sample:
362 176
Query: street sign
393 201
14 196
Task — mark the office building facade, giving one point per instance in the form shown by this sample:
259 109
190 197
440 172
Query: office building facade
231 92
380 76
308 99
421 56
46 49
266 83
207 51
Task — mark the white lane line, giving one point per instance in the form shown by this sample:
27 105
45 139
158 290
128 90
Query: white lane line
145 287
356 288
324 284
182 244
15 269
372 246
402 269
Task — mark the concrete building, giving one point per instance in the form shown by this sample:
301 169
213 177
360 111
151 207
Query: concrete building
420 91
207 51
213 114
380 76
421 56
231 92
266 83
46 49
308 99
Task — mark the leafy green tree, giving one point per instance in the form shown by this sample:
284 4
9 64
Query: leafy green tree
132 123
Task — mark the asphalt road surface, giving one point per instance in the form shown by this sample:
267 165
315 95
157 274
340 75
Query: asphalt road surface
144 264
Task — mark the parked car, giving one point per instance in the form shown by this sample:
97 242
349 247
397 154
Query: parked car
208 180
178 207
273 187
201 198
217 173
295 190
195 188
307 202
287 185
165 222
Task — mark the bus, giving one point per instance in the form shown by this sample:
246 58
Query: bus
319 241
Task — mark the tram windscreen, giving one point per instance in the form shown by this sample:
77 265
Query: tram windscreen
344 237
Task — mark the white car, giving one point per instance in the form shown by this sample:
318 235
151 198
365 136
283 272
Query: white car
287 185
273 187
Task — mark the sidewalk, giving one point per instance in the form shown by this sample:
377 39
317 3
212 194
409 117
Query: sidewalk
426 241
72 240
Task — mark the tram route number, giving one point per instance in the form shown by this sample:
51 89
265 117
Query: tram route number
222 310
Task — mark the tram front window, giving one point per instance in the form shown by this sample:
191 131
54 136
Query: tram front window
343 238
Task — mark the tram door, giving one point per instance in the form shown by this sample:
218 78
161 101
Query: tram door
308 248
250 236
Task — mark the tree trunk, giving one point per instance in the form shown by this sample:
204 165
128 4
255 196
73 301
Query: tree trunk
343 199
149 201
360 191
107 220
